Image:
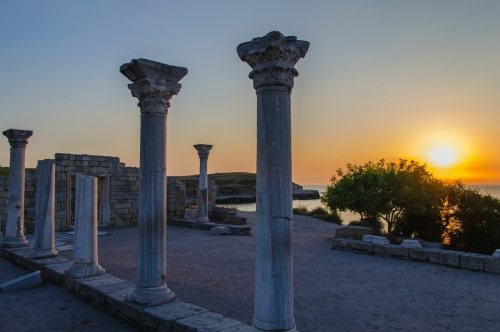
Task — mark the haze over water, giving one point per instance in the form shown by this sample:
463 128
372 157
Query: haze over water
492 189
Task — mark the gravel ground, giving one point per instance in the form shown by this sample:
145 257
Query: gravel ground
52 308
334 290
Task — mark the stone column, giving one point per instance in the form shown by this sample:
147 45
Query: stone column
14 228
154 84
272 59
202 199
85 261
44 208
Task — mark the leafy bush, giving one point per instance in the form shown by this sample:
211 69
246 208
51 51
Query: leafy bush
370 221
300 210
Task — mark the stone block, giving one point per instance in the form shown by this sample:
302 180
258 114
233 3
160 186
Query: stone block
382 249
220 230
340 243
408 243
116 301
97 289
208 321
399 251
423 254
162 317
492 264
450 258
55 272
496 254
360 245
28 281
472 261
74 284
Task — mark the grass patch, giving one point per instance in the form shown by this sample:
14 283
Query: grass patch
318 212
4 171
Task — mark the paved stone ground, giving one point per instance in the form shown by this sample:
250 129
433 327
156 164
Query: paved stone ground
52 308
334 290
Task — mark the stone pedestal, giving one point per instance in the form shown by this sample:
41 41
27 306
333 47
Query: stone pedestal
14 228
154 84
272 59
202 199
44 208
85 263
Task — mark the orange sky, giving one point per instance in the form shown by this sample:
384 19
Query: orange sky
385 79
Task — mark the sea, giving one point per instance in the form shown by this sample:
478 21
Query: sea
492 189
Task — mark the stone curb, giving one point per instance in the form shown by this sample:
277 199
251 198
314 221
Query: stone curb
235 229
458 259
105 289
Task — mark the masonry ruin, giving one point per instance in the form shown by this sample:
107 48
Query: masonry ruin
118 192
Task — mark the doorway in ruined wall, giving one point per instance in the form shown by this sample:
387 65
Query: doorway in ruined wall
103 208
191 197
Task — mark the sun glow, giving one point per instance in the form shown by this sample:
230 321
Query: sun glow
443 156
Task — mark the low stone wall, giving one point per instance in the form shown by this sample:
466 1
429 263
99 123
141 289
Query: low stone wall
457 259
353 232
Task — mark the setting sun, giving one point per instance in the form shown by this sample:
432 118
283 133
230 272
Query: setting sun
443 156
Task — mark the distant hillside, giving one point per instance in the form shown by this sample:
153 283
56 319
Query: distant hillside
4 171
232 178
225 179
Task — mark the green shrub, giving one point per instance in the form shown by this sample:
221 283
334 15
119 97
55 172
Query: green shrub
371 221
320 213
300 210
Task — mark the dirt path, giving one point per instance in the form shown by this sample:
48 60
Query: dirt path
334 290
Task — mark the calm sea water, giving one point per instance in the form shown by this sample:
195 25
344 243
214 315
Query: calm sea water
492 189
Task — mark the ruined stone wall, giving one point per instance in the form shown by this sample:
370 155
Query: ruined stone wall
122 183
176 197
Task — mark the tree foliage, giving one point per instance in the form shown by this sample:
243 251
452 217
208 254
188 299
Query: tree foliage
472 220
384 190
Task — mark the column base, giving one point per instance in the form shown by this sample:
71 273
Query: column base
80 270
202 220
259 326
151 295
14 242
47 253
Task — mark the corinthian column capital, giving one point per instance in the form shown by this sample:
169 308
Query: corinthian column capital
154 83
203 150
273 58
153 97
18 138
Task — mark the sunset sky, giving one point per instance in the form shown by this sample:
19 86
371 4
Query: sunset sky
382 79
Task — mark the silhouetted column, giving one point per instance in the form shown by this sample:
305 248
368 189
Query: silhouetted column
85 261
154 84
14 228
44 208
272 59
202 202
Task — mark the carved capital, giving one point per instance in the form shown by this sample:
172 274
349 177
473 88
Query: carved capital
154 97
273 58
18 138
203 150
154 83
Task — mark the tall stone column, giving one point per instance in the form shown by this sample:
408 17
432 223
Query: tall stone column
85 260
44 208
14 229
154 84
202 202
272 59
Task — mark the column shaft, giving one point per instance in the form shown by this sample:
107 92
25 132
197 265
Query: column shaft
274 225
14 229
152 251
44 208
85 246
202 204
